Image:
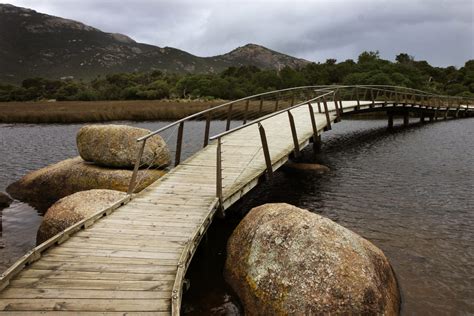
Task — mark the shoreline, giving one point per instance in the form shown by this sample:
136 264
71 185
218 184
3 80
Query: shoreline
45 112
68 112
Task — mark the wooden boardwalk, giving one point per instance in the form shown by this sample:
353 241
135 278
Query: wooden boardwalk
133 260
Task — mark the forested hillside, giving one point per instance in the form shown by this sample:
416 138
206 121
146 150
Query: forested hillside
237 82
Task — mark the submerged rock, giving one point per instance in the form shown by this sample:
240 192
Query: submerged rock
5 200
74 208
47 185
314 167
284 260
116 146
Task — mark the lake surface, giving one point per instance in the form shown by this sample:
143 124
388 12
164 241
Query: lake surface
410 192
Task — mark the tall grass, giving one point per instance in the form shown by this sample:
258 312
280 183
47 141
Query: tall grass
99 111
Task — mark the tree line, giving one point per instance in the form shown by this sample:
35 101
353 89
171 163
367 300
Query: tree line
238 82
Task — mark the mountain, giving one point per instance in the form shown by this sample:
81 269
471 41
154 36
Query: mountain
33 44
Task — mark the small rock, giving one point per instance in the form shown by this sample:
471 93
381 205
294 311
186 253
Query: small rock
5 200
116 146
314 167
277 267
74 208
43 187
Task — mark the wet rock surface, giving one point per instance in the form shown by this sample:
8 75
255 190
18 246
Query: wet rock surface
116 146
45 186
301 167
5 200
286 260
74 208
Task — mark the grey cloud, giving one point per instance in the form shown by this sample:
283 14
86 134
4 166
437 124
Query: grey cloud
440 31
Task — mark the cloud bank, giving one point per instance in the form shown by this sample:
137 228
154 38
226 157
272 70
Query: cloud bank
439 31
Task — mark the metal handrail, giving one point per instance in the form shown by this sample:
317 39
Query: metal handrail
270 115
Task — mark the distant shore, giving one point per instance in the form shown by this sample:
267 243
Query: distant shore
46 112
99 111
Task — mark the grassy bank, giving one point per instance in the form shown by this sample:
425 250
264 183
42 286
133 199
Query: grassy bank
99 111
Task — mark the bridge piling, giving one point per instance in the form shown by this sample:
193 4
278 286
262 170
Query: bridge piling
390 120
406 118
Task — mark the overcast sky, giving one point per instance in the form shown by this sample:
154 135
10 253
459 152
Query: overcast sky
439 31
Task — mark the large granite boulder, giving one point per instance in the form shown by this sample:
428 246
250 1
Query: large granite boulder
284 260
43 187
5 200
116 146
74 208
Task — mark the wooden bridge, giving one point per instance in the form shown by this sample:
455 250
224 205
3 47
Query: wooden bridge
131 258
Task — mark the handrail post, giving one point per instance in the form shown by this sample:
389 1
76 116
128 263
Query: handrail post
326 111
458 109
319 106
338 113
179 144
206 130
316 139
372 97
260 106
277 101
358 98
246 111
219 171
266 152
294 135
131 186
229 116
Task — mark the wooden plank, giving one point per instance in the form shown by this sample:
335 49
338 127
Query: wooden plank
116 253
88 275
93 264
91 305
114 285
22 293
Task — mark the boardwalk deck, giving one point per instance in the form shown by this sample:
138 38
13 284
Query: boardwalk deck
133 260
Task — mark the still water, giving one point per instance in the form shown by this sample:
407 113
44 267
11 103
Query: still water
410 192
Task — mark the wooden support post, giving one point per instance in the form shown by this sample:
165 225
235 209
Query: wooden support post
131 186
430 118
338 113
458 109
406 118
390 120
316 138
292 99
229 117
206 130
179 144
219 171
358 99
436 113
276 102
266 152
326 111
246 111
319 106
422 117
372 97
260 106
296 142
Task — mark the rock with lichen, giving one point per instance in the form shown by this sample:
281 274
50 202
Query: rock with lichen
116 146
43 187
74 208
285 260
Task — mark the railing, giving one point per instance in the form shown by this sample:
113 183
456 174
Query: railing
231 116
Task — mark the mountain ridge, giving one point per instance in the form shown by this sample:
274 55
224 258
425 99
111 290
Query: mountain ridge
34 44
